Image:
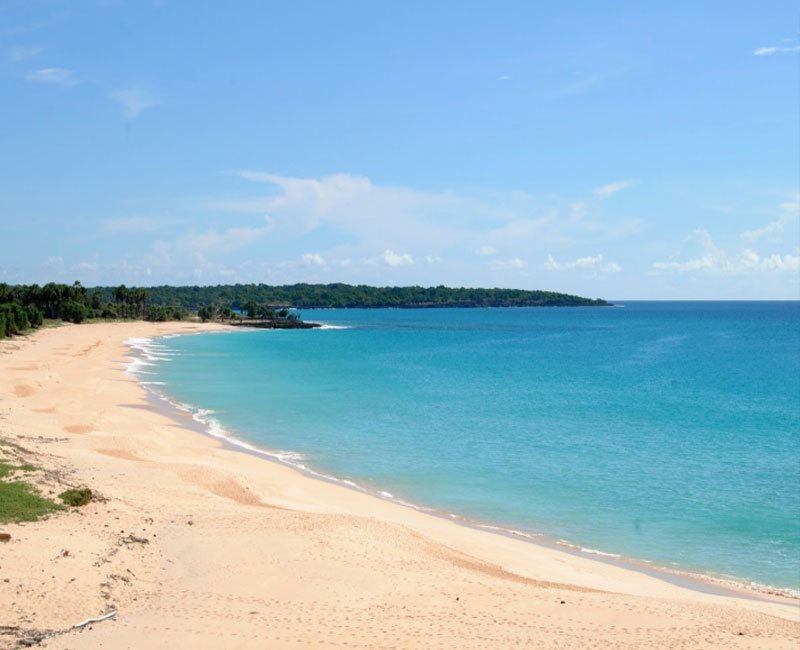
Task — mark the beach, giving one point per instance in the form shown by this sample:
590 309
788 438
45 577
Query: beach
196 544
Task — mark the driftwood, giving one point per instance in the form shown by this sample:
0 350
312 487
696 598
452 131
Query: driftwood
132 539
5 537
95 620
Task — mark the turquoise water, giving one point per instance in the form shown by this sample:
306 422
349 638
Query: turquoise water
664 432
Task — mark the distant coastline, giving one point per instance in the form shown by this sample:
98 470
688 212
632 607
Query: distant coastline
343 296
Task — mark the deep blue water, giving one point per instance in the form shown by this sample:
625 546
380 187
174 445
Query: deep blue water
661 431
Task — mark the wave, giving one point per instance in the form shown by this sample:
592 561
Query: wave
328 326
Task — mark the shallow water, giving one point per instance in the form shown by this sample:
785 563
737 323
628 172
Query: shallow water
665 432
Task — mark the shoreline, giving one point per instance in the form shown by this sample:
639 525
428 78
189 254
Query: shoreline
191 416
242 553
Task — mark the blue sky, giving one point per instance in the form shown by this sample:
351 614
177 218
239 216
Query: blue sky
616 149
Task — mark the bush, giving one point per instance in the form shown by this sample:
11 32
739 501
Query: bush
76 497
73 311
15 318
179 313
157 314
35 316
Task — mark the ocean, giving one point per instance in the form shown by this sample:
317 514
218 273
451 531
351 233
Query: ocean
661 432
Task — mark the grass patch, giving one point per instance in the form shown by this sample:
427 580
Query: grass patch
21 502
75 498
6 468
51 322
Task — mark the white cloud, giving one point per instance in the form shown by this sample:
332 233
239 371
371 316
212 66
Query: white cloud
711 259
323 195
213 242
743 263
376 217
58 76
313 259
17 54
134 100
789 213
591 263
386 231
510 264
767 51
387 217
394 259
612 188
504 77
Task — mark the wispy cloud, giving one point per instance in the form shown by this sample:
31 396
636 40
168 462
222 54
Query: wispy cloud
58 76
768 51
612 188
17 54
711 259
314 259
391 258
789 214
134 100
213 242
593 263
17 30
515 263
402 228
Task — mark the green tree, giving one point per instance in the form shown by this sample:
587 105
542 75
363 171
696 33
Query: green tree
206 313
73 311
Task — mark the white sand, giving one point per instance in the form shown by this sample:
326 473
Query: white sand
246 553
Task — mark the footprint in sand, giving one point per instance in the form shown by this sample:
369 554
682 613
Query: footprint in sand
23 391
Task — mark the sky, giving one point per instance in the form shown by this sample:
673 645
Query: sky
623 150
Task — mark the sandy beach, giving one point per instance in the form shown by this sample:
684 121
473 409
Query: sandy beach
197 545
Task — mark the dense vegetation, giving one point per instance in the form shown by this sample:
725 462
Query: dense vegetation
308 296
24 307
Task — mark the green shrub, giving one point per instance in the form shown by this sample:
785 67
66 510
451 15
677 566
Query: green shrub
76 497
73 311
35 317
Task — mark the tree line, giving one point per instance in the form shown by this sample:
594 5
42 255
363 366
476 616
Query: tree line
24 307
311 296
